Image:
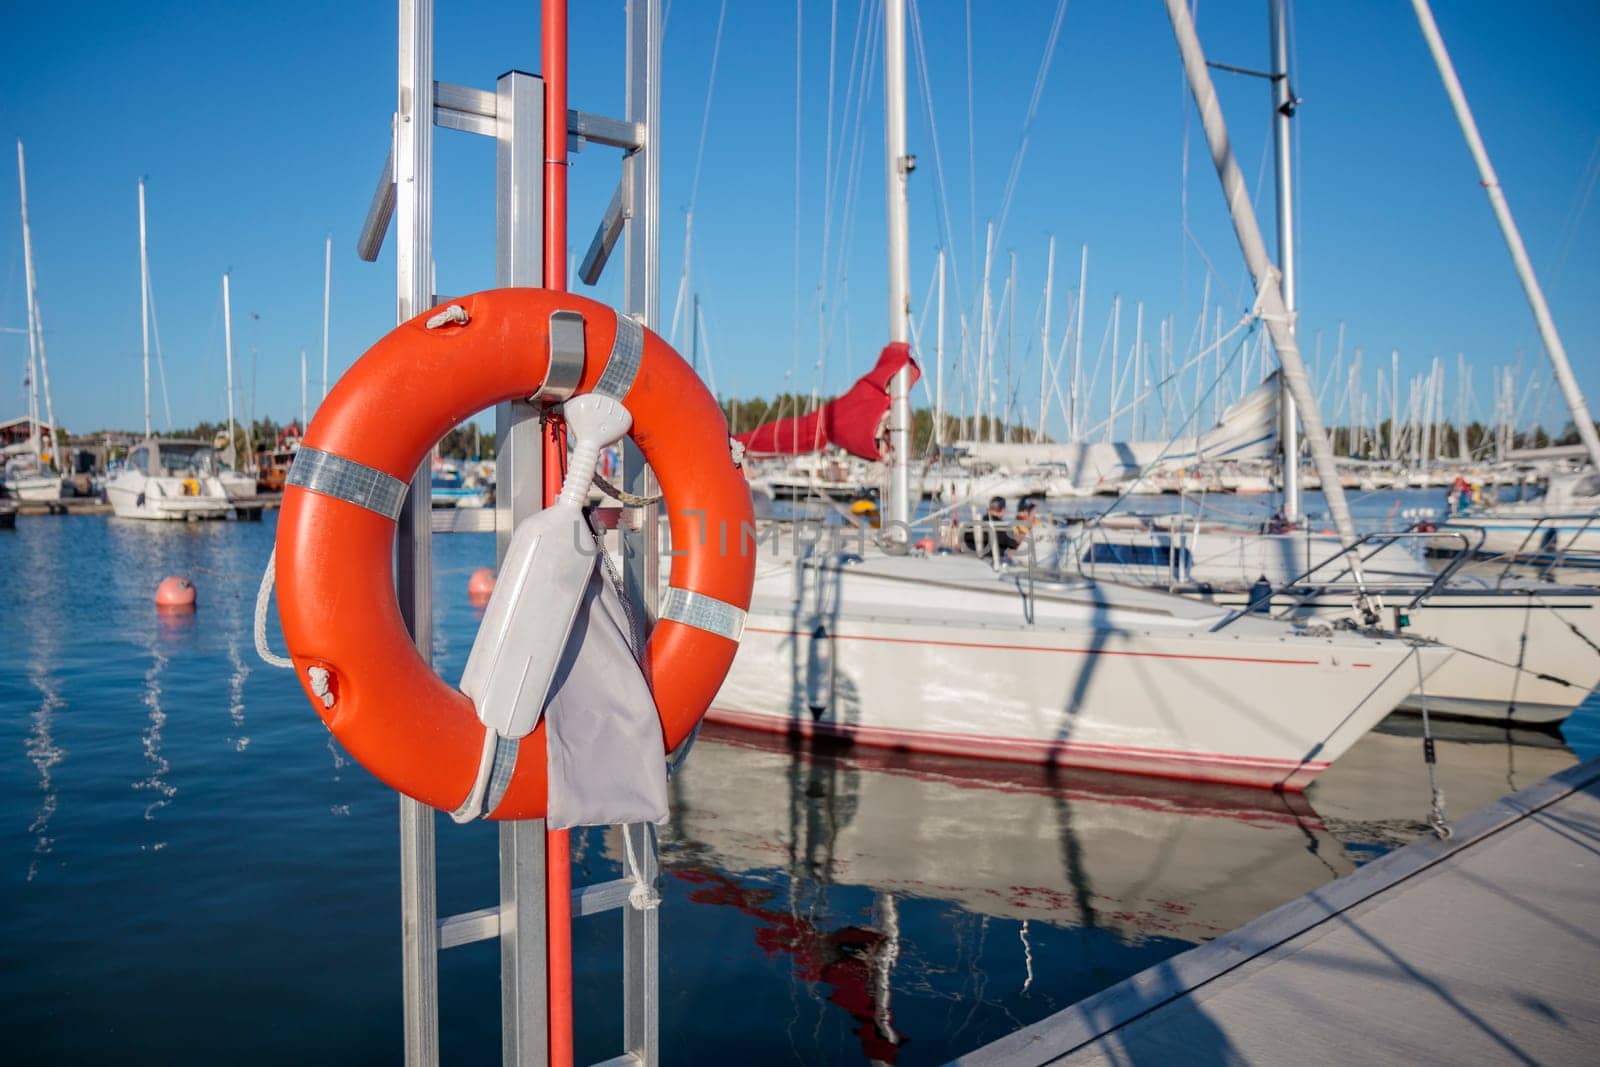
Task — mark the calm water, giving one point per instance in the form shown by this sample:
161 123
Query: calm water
190 870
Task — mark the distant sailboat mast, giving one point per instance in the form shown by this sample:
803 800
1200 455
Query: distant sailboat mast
327 291
35 331
144 306
33 321
227 347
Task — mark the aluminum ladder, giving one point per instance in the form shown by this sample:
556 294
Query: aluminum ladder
512 114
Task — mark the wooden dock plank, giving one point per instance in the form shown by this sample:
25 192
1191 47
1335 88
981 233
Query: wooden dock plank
1484 948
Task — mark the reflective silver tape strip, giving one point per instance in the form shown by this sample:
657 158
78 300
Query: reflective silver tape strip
703 613
623 365
345 479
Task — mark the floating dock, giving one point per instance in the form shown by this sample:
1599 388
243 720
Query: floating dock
248 508
1482 948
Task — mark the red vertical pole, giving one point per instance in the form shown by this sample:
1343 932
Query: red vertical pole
558 850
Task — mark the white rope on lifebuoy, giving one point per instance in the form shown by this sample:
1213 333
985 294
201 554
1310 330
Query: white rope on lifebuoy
454 313
263 598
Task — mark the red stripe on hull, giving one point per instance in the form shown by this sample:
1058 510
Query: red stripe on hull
1286 775
1042 648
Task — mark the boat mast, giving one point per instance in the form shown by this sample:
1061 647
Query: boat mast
327 291
1508 229
33 315
1044 335
303 392
227 348
1011 339
1136 396
1394 404
144 306
899 166
1073 423
1283 108
981 430
1268 294
938 368
1114 386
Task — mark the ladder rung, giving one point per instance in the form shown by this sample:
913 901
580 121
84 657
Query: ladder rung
600 129
602 896
484 923
468 927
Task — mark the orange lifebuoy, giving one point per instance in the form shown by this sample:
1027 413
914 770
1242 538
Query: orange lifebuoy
336 531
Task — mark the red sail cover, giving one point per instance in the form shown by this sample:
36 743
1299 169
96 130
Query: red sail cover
854 421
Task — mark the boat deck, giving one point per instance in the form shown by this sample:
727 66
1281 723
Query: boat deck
1483 948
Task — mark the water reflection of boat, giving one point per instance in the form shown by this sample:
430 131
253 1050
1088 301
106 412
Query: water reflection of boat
1140 857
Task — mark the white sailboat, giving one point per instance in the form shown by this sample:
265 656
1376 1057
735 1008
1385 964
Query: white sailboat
29 468
948 654
1526 646
164 478
944 654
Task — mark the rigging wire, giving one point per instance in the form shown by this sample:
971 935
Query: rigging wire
941 188
705 114
161 366
1247 324
799 24
972 148
1039 80
853 178
685 283
1575 213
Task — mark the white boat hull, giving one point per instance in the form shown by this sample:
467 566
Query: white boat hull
1526 537
139 497
1141 689
237 485
1527 657
1529 648
43 487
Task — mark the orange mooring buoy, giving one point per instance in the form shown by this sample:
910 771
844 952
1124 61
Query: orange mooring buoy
479 586
175 594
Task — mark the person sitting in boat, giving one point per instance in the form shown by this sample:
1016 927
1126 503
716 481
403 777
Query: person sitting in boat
1460 496
991 530
1280 524
1027 517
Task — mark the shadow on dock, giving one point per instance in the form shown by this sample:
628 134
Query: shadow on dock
1474 949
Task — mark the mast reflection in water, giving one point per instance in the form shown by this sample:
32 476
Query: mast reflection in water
918 906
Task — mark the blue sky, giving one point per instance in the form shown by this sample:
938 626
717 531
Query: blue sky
261 129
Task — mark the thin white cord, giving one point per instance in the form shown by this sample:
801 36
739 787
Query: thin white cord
263 598
643 895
